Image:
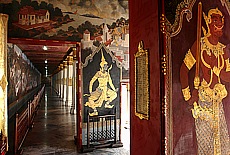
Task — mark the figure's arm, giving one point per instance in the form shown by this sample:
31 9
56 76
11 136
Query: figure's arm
189 62
111 83
92 81
225 72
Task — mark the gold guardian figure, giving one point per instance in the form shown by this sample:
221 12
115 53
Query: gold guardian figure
105 90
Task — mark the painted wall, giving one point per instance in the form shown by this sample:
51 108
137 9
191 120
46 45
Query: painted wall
145 134
185 131
22 75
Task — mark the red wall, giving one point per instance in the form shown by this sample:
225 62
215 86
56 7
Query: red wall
145 134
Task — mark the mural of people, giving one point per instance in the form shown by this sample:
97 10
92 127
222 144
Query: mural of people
102 92
22 76
214 69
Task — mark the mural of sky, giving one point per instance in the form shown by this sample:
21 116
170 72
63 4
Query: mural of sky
101 8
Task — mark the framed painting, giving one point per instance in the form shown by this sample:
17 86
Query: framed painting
195 108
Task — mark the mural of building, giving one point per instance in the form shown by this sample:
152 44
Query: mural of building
28 16
86 42
117 40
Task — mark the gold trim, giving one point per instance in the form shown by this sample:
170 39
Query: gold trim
227 65
162 23
164 65
166 145
3 82
186 93
185 7
141 83
164 106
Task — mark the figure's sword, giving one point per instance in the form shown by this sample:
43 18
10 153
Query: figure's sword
198 38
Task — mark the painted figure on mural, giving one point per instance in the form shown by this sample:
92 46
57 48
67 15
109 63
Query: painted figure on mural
102 92
212 62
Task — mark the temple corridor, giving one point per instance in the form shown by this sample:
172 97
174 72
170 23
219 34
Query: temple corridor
54 129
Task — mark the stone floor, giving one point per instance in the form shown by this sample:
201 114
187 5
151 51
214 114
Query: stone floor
54 129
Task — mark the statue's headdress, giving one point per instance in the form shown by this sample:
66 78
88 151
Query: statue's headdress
103 61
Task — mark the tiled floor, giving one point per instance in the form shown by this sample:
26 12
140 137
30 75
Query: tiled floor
54 129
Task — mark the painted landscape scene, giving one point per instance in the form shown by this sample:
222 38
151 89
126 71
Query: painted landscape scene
64 20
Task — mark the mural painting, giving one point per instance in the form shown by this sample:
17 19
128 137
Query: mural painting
102 73
90 22
101 82
62 20
199 110
22 75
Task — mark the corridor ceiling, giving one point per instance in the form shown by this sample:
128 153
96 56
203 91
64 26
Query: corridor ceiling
56 52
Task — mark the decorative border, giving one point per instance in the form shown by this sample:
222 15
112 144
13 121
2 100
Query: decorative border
90 57
184 7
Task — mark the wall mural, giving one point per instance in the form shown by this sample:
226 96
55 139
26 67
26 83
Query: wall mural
101 82
101 87
22 75
199 110
90 22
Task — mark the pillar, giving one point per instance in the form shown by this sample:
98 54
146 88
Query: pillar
3 83
74 87
64 80
61 81
69 80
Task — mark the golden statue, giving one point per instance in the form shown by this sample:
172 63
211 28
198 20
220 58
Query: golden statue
103 92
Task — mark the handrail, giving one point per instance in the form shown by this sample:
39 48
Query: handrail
17 105
24 121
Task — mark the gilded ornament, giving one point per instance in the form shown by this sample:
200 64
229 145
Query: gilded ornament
189 60
203 113
3 82
164 65
186 93
196 82
141 83
227 65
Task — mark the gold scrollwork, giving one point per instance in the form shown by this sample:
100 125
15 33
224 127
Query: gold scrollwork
141 83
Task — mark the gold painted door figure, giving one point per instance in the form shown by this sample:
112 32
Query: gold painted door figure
211 59
102 92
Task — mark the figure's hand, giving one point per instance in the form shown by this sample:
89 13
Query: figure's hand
227 49
194 97
116 89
